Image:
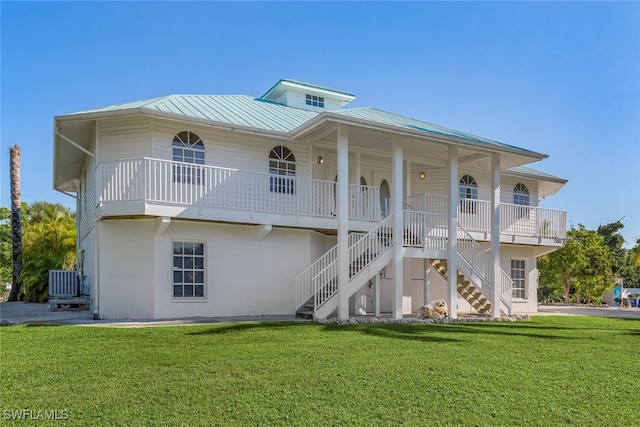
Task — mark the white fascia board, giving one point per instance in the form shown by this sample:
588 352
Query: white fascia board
556 179
317 91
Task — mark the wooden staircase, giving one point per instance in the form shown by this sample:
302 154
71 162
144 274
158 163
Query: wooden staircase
471 293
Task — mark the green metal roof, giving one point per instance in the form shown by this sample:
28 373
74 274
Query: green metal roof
262 114
231 109
523 170
392 119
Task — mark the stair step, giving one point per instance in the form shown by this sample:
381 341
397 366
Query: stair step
305 314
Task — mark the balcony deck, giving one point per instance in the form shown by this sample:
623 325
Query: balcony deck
152 187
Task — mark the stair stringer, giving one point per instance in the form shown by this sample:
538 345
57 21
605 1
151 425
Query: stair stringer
480 284
355 283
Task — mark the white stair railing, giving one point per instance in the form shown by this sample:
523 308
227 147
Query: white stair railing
474 254
361 254
368 248
427 230
320 279
482 264
304 283
506 291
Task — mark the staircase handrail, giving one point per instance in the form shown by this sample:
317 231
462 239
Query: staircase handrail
474 254
325 285
481 258
370 246
506 290
304 281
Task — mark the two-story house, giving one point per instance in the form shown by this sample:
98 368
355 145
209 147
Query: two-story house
199 205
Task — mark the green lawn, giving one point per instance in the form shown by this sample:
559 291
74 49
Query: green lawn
580 371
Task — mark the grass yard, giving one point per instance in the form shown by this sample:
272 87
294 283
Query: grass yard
580 371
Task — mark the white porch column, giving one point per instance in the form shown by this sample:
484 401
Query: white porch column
376 295
426 281
452 211
361 294
398 230
343 221
408 183
495 234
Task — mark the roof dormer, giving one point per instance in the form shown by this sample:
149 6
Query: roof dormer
308 96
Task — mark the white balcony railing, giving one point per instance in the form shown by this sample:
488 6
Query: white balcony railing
425 229
475 216
163 181
532 221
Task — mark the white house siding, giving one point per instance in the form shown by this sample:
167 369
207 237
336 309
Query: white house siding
508 252
434 182
229 149
414 283
126 274
299 100
88 261
124 138
245 274
507 185
87 198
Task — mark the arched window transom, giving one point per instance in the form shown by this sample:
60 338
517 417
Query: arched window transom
468 193
468 187
282 162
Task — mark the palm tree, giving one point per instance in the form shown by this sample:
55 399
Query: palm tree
16 222
49 244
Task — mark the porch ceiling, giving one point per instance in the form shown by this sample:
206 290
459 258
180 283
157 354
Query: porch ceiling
419 148
67 159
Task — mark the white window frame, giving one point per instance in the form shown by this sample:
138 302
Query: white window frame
314 101
282 170
521 195
179 264
188 147
468 190
518 290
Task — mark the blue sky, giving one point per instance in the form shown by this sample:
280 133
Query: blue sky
558 78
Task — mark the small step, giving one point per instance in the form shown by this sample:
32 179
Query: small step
304 314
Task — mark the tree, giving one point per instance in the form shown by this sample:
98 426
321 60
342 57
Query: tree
49 244
582 268
5 245
614 240
16 223
630 270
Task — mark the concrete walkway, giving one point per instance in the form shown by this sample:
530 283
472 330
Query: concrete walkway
573 310
40 314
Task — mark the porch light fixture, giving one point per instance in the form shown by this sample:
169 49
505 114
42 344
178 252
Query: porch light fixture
321 160
421 175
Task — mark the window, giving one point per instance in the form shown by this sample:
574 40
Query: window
282 162
521 195
188 148
518 273
188 270
468 192
521 198
385 198
316 101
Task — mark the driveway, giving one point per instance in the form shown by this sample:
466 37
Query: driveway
571 310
